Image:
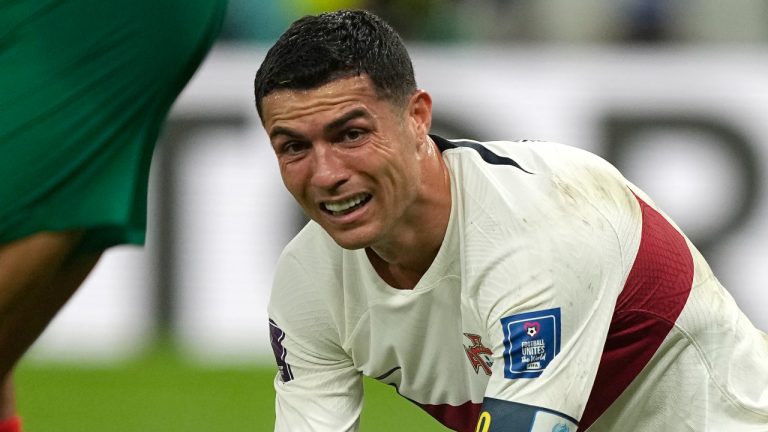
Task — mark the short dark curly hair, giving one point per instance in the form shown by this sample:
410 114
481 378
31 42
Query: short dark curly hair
318 49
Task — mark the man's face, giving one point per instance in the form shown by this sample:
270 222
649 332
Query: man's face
350 159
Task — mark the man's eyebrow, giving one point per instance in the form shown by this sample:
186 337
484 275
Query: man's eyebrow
339 122
335 124
279 130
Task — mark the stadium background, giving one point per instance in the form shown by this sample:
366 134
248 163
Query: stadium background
174 336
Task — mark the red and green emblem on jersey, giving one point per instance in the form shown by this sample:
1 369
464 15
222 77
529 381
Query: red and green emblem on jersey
479 355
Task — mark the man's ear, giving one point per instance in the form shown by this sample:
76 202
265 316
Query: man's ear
420 112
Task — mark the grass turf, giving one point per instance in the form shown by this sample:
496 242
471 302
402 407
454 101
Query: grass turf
163 392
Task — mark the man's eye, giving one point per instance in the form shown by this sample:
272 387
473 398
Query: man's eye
353 134
292 147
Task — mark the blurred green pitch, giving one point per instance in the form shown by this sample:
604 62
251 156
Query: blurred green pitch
163 392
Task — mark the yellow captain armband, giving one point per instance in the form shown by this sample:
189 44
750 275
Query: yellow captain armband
484 422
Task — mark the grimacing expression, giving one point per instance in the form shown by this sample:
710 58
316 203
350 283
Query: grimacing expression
349 158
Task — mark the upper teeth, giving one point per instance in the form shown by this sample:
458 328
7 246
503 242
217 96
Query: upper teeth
340 206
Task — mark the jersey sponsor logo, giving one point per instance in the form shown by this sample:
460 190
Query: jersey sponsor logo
276 336
531 342
478 354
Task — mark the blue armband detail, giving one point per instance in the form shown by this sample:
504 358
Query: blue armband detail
504 416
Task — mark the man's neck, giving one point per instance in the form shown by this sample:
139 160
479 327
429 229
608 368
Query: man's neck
404 259
396 275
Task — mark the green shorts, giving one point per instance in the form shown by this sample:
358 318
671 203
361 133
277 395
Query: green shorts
85 86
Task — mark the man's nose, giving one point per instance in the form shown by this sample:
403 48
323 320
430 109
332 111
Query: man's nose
328 171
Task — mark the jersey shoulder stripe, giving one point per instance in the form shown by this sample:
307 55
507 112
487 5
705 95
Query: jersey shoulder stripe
653 297
487 155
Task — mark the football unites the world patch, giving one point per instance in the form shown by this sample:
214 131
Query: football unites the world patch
531 342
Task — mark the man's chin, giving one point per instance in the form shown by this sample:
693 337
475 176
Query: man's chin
350 241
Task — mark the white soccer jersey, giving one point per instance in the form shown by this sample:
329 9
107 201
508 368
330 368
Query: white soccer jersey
560 299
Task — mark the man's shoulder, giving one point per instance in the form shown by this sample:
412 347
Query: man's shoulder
316 285
552 187
312 238
307 260
523 156
307 264
529 164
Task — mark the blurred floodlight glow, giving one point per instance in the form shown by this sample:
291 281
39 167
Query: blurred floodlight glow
692 178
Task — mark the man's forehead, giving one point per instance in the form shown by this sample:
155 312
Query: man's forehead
339 95
357 86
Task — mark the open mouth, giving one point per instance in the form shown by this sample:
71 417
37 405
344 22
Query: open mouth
339 208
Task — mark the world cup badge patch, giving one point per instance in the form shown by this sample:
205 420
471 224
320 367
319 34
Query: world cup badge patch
531 341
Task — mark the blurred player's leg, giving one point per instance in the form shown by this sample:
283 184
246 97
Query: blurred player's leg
38 274
7 401
85 88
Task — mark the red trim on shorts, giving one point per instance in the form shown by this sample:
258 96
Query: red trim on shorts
11 424
652 299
